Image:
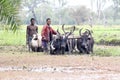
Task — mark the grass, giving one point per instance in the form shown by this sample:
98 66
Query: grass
102 35
103 50
10 38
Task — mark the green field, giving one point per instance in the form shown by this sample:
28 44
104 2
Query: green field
108 37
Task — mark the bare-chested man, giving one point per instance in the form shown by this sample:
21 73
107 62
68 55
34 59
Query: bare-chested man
31 29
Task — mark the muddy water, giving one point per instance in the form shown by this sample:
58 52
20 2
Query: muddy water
51 69
84 73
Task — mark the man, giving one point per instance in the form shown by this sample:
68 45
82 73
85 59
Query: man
47 33
31 29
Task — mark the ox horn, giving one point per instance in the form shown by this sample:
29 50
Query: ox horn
80 31
89 33
63 28
73 29
58 32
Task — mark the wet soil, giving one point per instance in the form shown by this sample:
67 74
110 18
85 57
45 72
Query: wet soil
16 63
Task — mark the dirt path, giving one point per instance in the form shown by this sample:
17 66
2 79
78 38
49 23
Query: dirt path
19 65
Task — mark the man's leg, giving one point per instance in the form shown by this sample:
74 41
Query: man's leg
45 46
29 43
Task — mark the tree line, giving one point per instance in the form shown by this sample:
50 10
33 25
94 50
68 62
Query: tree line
12 12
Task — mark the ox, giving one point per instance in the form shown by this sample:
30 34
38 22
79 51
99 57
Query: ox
85 42
61 43
36 44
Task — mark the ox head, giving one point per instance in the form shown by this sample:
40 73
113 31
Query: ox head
55 43
60 40
66 35
84 38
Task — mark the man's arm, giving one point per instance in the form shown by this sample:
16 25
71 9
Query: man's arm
37 29
43 32
53 31
27 34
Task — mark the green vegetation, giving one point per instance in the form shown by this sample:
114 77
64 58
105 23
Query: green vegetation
107 39
107 35
102 35
103 50
40 10
9 10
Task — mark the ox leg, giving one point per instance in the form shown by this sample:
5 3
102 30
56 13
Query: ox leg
69 49
82 50
62 50
36 48
40 49
75 46
87 50
69 46
51 51
92 48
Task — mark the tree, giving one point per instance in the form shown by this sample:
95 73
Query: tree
116 6
80 14
100 5
43 12
31 5
58 7
8 13
92 14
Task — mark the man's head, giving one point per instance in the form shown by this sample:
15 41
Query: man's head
32 20
48 21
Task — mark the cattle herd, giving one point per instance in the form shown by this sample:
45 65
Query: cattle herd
66 42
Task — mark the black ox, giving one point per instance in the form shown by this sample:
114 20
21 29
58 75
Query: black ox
60 42
85 42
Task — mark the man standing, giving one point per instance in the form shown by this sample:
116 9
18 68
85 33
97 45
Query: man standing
47 33
31 29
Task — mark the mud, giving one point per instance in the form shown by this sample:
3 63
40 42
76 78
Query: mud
52 69
58 73
18 64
